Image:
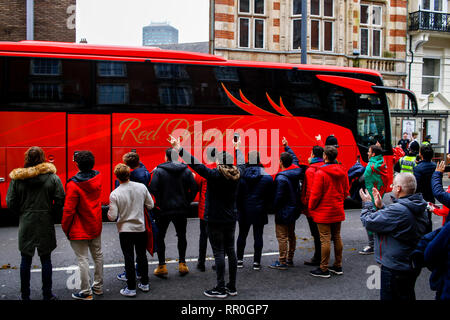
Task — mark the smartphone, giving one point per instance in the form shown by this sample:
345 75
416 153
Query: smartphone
236 137
447 169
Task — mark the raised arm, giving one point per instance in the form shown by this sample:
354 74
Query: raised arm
436 185
288 149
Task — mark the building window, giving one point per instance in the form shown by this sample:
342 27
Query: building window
321 24
243 32
46 91
251 24
297 34
371 30
259 33
112 94
430 75
45 67
296 7
175 96
111 69
171 71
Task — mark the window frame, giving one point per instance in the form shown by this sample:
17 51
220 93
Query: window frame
124 69
127 93
371 27
322 19
438 77
32 70
252 17
292 32
263 33
248 32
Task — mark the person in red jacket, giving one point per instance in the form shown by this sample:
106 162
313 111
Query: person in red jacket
315 162
443 212
202 186
326 206
82 222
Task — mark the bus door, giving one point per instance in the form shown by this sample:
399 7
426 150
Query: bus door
22 130
91 132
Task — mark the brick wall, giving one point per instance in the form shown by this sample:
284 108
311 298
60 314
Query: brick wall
13 20
50 20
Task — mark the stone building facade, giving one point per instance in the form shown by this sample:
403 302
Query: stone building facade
361 33
54 20
428 71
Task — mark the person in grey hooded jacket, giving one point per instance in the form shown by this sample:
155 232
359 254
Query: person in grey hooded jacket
398 228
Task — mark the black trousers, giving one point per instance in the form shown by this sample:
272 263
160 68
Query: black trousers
315 234
25 275
180 223
244 229
202 243
130 242
221 238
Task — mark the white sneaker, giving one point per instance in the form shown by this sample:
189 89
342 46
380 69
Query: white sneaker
144 287
127 292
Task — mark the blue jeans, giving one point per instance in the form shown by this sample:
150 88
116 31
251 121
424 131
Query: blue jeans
398 285
244 228
25 275
221 238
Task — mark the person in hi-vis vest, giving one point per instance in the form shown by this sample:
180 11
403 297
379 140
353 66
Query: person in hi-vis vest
408 162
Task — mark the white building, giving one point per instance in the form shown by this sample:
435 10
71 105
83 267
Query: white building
428 68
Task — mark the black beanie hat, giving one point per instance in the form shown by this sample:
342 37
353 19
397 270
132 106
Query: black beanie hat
331 141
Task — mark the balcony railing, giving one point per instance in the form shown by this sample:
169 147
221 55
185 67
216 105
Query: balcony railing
428 20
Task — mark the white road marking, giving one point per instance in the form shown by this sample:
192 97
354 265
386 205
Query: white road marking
118 265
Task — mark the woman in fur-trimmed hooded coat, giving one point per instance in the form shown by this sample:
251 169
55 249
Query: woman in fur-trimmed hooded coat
37 195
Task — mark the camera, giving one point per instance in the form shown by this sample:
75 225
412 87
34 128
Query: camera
447 169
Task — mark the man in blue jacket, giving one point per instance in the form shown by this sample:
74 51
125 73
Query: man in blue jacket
254 201
423 172
398 228
286 206
437 252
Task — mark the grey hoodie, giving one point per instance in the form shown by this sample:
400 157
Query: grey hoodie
398 228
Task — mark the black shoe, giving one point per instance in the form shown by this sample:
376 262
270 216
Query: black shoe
336 270
290 263
312 262
216 293
319 273
51 298
240 264
231 290
256 266
201 267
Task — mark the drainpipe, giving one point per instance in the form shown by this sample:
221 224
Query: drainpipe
304 33
30 19
211 26
410 63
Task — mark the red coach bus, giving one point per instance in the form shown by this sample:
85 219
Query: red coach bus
66 97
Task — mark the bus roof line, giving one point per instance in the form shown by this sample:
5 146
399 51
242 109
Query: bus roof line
128 53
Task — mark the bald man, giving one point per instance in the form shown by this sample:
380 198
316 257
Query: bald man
398 228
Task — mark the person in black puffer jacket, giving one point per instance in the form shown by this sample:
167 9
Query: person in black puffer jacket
220 212
174 188
255 197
